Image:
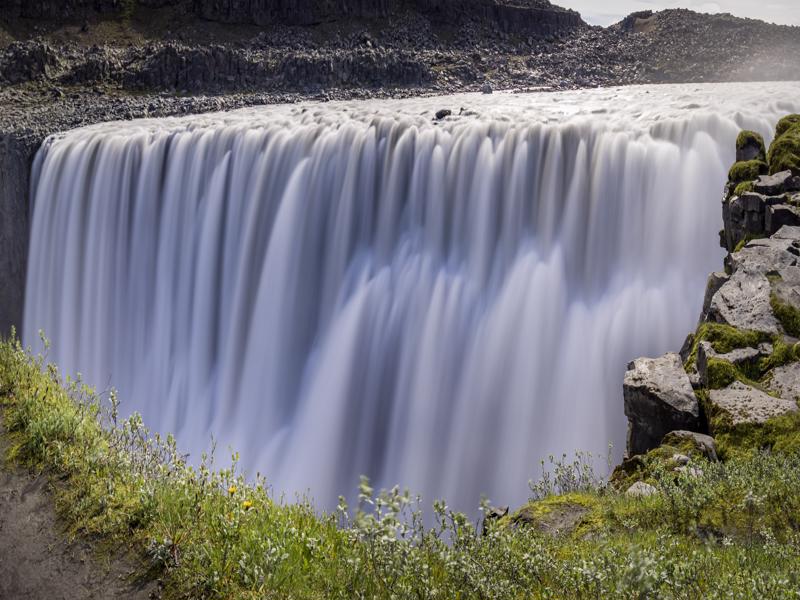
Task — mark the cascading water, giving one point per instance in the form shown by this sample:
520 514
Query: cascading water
351 288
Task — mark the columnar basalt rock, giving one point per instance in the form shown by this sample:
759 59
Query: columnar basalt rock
658 399
744 358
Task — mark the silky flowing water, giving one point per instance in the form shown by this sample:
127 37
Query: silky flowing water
353 288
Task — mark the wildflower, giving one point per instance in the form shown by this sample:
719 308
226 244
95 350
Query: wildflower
247 505
232 490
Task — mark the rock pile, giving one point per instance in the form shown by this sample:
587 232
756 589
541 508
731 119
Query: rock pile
736 385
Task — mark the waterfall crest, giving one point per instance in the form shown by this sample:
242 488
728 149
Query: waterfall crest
347 289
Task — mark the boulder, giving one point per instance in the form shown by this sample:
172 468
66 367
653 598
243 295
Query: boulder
700 442
772 185
780 215
445 112
767 255
744 303
740 357
715 282
640 489
658 399
786 381
750 146
746 405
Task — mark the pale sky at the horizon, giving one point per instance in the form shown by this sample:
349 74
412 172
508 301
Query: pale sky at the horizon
605 12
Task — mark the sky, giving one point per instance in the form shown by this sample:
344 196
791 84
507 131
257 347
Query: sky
605 12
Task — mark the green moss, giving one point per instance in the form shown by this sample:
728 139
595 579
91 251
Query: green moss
721 374
747 170
744 188
788 316
748 138
779 434
786 123
724 339
784 153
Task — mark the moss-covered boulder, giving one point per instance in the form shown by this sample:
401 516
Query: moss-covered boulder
750 146
747 170
692 443
784 152
786 123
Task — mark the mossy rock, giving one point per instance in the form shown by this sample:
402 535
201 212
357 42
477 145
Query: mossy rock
788 316
779 435
563 514
744 188
784 153
750 146
747 170
724 339
786 123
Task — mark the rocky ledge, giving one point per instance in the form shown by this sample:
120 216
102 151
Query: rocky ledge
735 386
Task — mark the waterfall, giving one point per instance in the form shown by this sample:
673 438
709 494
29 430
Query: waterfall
352 288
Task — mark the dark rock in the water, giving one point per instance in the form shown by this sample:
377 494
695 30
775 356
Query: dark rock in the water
446 112
702 443
658 399
743 405
772 185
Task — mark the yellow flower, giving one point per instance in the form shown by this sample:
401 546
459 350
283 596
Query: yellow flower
247 505
232 490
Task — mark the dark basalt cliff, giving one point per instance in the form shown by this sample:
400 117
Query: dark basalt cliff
531 16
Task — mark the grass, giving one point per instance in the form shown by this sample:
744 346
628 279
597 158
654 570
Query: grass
730 531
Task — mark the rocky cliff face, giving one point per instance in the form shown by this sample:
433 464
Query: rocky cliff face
738 376
533 17
14 173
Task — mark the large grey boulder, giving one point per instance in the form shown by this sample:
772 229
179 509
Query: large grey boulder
779 215
772 185
786 381
766 255
747 405
744 303
658 399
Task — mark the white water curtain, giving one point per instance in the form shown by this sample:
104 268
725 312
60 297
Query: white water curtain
344 290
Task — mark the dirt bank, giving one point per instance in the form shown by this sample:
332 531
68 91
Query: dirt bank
37 562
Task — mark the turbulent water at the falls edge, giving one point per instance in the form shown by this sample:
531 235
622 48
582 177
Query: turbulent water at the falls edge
351 288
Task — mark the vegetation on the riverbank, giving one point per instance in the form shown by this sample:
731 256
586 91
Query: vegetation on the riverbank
722 530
